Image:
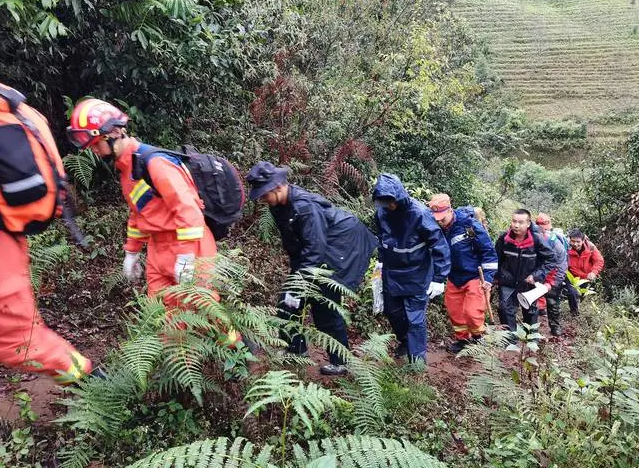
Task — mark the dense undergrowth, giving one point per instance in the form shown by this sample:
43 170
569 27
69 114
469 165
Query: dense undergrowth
338 91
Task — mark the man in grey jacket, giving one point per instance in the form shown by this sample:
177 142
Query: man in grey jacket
552 299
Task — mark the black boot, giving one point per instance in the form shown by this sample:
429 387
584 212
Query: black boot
556 330
401 350
457 346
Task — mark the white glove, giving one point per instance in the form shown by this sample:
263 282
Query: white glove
184 268
435 289
291 301
132 268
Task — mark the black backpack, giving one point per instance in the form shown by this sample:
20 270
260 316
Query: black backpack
217 180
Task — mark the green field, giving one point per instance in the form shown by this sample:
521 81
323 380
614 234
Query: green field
565 58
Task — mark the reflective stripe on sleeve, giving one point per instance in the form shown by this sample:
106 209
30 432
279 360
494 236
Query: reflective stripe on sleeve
135 233
406 250
191 233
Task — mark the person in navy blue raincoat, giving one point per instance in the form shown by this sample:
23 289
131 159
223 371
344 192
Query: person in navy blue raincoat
314 233
416 262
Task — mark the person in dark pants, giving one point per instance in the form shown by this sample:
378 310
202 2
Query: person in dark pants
416 262
524 258
314 233
552 300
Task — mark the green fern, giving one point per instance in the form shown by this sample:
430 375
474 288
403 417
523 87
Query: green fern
366 452
102 405
82 167
266 227
44 259
140 355
355 452
78 455
368 399
113 280
308 401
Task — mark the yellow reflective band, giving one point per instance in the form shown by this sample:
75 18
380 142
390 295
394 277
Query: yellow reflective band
135 233
75 372
460 328
190 233
84 113
140 189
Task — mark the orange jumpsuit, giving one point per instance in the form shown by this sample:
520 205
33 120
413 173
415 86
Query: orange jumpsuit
171 224
25 341
466 307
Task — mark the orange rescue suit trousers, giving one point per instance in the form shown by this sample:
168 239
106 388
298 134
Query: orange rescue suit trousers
26 343
466 307
162 252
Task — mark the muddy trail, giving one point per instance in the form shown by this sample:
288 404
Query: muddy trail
446 373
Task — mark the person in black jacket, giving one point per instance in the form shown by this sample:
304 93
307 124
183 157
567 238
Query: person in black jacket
525 258
314 233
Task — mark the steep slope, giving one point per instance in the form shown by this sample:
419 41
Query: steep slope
565 57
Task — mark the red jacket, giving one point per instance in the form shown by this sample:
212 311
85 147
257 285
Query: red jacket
589 260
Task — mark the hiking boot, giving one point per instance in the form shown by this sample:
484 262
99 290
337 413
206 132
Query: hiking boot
401 351
333 369
478 339
574 313
457 346
556 331
98 373
542 312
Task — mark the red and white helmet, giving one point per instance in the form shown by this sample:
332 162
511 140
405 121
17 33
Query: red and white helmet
91 120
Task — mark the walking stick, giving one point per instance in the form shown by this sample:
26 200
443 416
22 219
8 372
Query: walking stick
486 295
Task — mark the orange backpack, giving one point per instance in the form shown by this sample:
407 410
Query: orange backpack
31 170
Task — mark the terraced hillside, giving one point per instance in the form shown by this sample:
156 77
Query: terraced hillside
566 57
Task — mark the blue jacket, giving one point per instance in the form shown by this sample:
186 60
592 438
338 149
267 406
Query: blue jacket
412 247
470 248
558 244
315 233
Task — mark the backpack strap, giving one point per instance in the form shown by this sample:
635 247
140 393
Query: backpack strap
141 160
13 97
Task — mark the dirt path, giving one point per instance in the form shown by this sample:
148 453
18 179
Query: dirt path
445 372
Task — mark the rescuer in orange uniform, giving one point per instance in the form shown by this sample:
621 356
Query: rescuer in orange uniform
26 343
170 221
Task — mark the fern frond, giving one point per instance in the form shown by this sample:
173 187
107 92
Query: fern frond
81 167
375 348
308 401
111 281
266 227
351 451
45 258
149 317
257 323
322 340
183 366
366 452
140 355
76 456
103 404
211 454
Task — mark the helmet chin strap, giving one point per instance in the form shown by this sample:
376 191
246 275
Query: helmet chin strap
111 142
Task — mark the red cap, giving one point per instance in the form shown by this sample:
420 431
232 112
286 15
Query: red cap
543 220
440 205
